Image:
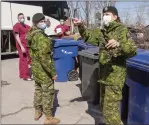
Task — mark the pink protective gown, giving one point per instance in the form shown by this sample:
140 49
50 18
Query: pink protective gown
24 58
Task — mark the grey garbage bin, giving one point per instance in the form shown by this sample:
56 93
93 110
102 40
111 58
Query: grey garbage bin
84 46
89 74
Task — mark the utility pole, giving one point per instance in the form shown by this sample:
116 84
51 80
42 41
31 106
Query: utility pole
87 12
101 21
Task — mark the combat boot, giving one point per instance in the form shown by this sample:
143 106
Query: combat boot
38 114
51 120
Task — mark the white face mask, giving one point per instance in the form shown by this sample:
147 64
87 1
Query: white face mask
107 20
61 22
42 26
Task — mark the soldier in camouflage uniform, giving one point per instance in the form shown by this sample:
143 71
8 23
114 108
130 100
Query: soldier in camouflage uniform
44 74
115 48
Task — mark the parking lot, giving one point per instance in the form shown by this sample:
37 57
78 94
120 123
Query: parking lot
17 99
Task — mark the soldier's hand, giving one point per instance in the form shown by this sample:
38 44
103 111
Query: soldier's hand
54 78
112 44
78 22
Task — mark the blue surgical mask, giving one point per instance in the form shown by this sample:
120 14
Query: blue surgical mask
22 20
42 26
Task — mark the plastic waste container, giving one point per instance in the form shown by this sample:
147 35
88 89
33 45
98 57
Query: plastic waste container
90 88
138 89
64 55
89 67
83 46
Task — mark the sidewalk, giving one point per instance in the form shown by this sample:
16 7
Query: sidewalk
17 99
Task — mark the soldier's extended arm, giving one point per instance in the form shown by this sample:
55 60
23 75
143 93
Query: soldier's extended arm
127 45
90 36
45 53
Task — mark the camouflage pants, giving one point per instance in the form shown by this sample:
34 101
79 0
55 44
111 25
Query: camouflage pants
110 104
44 97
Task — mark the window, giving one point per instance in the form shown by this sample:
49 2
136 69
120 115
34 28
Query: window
52 12
55 9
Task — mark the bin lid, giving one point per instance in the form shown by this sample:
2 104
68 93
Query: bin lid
140 61
64 42
92 53
140 51
84 45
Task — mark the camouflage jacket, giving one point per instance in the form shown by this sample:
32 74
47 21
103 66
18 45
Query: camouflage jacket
112 61
40 47
116 31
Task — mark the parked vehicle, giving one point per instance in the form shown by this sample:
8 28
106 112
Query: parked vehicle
53 10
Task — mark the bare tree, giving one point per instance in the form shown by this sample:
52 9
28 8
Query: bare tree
87 12
127 19
88 9
142 15
99 5
140 18
73 5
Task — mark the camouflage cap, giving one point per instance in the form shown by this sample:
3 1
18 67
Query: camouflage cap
111 9
37 17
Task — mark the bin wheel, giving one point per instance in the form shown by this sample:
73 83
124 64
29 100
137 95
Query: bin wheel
73 75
